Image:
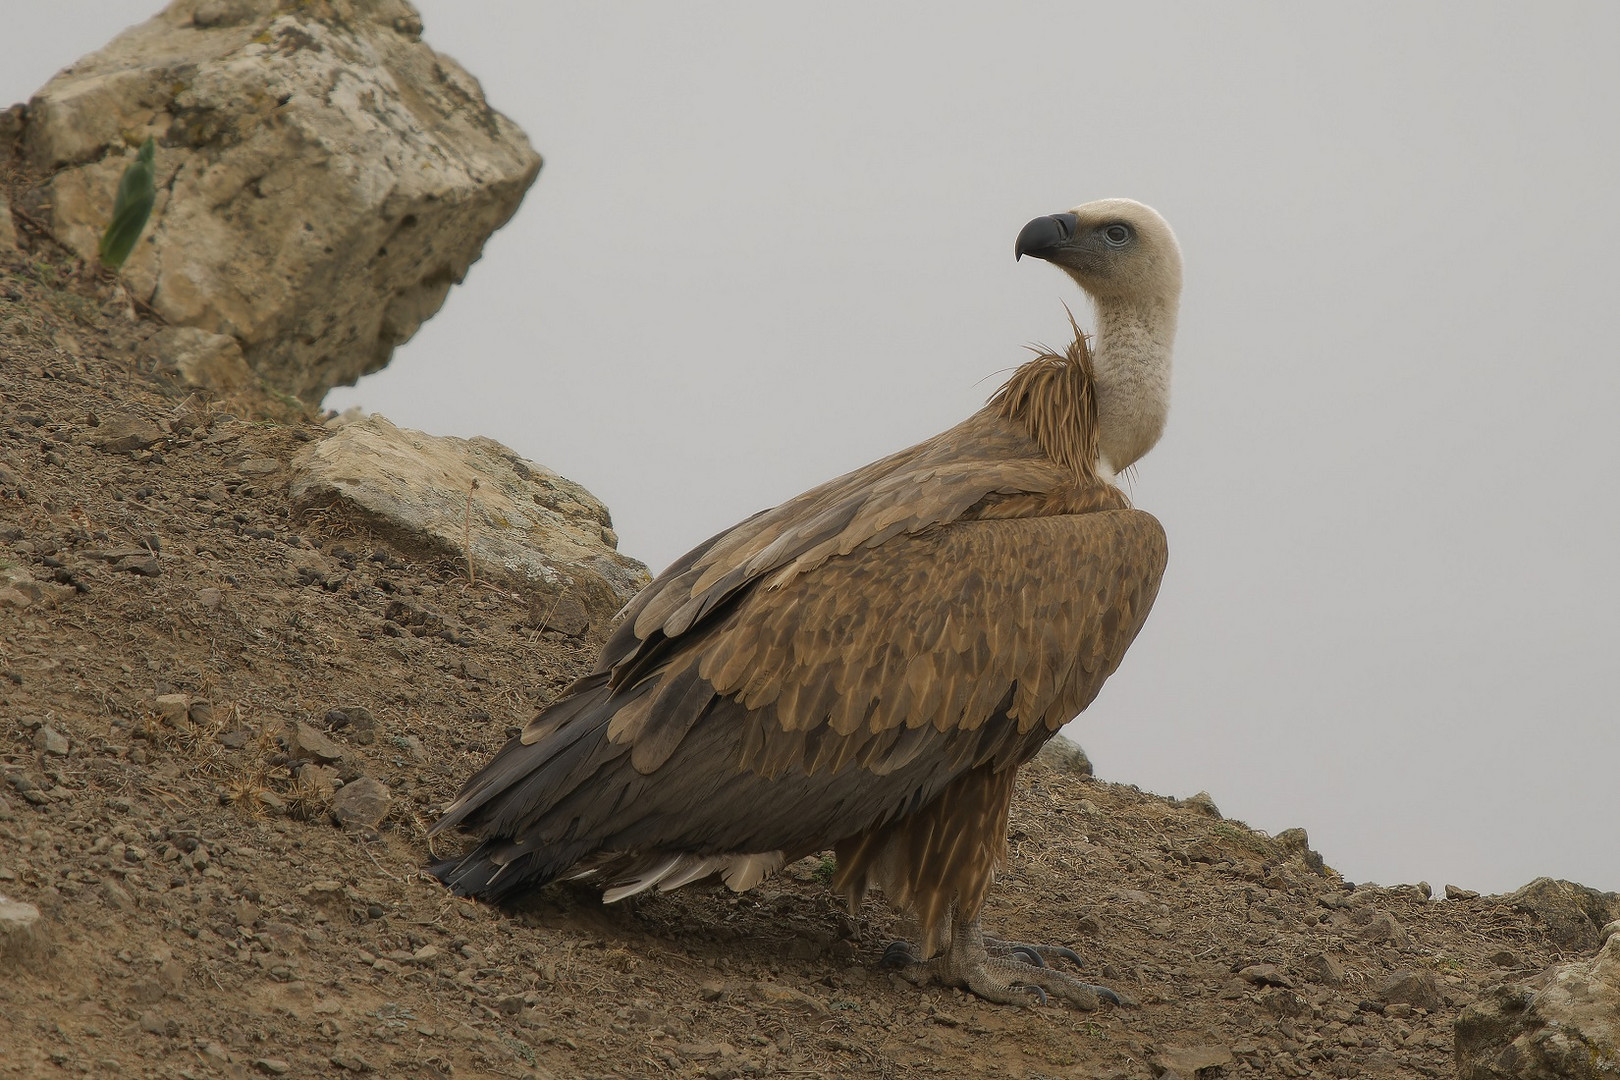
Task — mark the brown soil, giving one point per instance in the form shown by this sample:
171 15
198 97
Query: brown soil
203 915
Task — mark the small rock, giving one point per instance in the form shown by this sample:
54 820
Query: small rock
1420 989
1065 755
361 804
21 932
1187 1061
1454 892
144 565
199 358
173 709
1297 842
1265 975
1202 803
258 466
317 781
272 1066
305 743
355 722
126 434
153 1024
50 741
209 598
1323 969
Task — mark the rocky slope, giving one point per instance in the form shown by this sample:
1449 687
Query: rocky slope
225 723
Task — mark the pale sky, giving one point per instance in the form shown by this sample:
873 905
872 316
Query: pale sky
772 242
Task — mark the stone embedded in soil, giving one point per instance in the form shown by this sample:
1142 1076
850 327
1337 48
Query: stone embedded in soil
1189 1061
126 434
305 743
22 934
1265 975
199 358
361 804
471 501
354 722
1420 989
144 565
1321 968
1457 892
48 740
172 709
1065 755
272 1066
1202 803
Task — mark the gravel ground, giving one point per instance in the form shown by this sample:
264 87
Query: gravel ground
223 730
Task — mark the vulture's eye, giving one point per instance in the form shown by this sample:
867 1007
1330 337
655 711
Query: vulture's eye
1117 235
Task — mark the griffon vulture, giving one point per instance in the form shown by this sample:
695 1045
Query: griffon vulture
866 666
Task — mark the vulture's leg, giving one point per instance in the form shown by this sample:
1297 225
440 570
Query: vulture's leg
1008 979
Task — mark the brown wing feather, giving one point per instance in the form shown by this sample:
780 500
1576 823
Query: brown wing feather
935 629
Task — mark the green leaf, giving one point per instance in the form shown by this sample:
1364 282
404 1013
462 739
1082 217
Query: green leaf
137 191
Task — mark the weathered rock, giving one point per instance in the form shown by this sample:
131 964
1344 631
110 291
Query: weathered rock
1298 842
1323 969
1419 989
361 804
47 740
1563 1024
306 743
440 497
354 722
1265 975
172 709
19 589
1066 755
1201 803
199 358
1189 1061
126 434
8 231
21 932
1572 914
323 176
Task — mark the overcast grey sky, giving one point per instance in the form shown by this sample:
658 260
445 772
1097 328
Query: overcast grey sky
772 242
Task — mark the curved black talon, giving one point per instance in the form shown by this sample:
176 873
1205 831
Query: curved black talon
1028 954
1066 953
1106 994
898 955
1040 995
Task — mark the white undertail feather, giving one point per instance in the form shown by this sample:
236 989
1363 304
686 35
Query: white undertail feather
739 872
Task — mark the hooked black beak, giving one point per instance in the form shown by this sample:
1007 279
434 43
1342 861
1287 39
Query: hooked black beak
1041 237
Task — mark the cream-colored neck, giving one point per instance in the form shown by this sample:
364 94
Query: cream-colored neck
1131 363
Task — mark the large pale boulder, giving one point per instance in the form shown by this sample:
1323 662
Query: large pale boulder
442 497
1563 1024
323 176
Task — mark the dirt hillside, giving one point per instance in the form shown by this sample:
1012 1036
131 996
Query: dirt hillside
196 686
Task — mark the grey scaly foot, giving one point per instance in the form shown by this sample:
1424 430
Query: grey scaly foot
1017 977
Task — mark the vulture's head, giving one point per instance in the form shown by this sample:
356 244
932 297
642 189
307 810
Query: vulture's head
1116 249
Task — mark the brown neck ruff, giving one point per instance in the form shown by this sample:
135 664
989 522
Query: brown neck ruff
1054 398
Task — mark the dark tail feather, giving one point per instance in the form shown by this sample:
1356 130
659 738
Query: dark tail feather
498 871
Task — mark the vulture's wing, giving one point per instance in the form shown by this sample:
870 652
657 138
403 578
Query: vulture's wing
815 705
